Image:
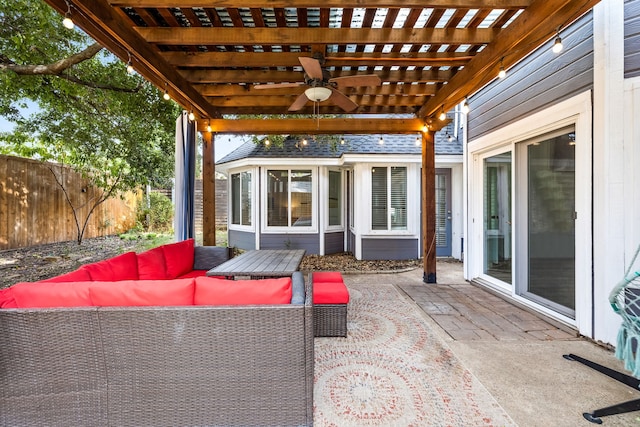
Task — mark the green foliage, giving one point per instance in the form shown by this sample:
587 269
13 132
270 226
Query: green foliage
145 241
92 115
158 216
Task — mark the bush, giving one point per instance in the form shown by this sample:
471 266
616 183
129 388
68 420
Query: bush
159 216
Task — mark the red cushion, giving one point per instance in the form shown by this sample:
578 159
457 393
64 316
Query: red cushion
195 273
121 267
6 299
151 265
326 276
213 291
330 293
79 275
178 258
142 292
52 294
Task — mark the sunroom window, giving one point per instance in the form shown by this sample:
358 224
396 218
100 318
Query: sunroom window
289 198
389 198
241 198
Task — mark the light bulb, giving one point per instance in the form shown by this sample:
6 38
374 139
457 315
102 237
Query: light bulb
304 141
68 23
465 107
425 128
442 116
342 141
129 67
192 116
381 141
208 128
449 137
557 45
502 73
267 142
418 141
166 96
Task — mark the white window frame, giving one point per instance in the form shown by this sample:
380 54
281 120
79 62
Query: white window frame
267 229
410 205
254 187
340 227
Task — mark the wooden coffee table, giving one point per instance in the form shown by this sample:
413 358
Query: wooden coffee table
261 263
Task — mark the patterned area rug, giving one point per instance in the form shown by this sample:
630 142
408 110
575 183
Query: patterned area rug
393 370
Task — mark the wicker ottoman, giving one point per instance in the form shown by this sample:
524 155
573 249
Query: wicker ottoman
330 300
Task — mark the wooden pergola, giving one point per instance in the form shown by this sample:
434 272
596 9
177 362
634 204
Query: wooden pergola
214 58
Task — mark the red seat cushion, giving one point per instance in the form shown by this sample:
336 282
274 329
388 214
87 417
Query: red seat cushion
194 273
143 293
79 275
51 294
151 265
326 276
330 293
213 291
6 299
178 258
121 267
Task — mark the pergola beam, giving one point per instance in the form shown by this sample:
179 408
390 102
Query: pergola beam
412 4
311 126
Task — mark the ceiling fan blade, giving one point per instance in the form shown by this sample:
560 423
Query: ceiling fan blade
311 67
352 81
342 100
299 103
278 85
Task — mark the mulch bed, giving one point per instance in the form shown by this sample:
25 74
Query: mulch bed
41 262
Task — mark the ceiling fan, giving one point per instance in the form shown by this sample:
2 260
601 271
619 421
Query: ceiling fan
322 86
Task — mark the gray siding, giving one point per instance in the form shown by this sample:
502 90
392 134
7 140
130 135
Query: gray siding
241 240
308 242
541 79
631 38
333 243
351 242
374 249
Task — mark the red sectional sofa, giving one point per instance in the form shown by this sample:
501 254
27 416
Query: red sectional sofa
147 340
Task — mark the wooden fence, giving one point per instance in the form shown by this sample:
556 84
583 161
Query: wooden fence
34 210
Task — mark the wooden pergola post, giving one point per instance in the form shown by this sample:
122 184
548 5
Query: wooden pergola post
428 207
208 190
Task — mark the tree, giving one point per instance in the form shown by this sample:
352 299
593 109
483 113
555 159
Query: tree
111 126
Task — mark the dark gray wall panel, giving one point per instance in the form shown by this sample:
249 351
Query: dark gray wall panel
389 249
351 242
308 242
333 243
241 240
538 81
631 38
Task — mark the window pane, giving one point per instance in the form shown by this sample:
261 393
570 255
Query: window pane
398 198
497 216
277 198
335 198
246 198
301 198
379 198
235 198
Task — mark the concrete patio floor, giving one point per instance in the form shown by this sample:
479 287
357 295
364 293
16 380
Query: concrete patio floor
515 354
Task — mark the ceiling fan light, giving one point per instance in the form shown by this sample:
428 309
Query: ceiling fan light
318 94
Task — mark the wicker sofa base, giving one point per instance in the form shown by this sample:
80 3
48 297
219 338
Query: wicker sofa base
330 320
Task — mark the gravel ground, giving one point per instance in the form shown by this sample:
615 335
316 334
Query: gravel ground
41 262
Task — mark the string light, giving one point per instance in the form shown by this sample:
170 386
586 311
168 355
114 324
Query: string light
267 142
166 94
208 125
418 141
381 141
67 22
502 73
557 44
449 137
465 106
425 128
442 115
304 141
129 65
342 141
192 116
